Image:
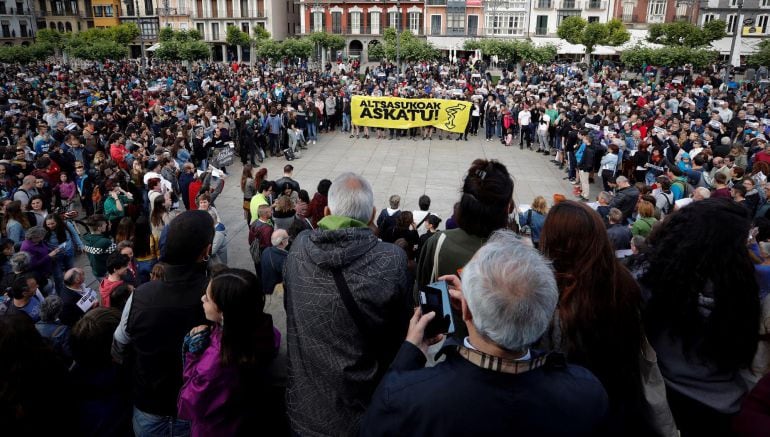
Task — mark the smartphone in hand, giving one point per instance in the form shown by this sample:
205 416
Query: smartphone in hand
435 297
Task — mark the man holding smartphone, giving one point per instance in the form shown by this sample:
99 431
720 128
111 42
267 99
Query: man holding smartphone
492 383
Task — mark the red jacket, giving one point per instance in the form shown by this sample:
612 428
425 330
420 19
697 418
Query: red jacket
118 154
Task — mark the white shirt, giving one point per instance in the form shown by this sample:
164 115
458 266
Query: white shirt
525 118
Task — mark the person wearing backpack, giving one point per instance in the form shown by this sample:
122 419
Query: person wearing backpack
679 185
664 200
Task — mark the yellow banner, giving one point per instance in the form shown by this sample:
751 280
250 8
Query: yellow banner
398 113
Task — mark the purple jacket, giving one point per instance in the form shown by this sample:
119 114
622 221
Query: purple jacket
39 262
210 396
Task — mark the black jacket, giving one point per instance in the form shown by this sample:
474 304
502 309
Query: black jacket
458 398
625 200
161 314
587 160
70 312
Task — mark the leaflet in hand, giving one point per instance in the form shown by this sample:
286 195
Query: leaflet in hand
87 301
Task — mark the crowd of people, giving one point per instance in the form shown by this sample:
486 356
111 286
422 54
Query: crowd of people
639 309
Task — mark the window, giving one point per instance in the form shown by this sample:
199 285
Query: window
415 21
336 22
628 12
19 8
732 23
593 19
595 4
761 23
765 3
681 10
355 23
393 20
148 9
201 29
656 13
74 7
435 24
23 29
473 25
564 14
108 11
506 24
98 11
214 31
541 28
709 17
6 30
2 8
245 28
733 3
544 4
374 22
455 23
58 8
568 4
318 21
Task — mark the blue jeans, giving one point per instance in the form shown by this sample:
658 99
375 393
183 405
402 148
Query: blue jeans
204 165
150 425
312 132
346 122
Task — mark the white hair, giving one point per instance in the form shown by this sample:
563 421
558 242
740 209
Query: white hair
278 237
702 193
351 196
510 290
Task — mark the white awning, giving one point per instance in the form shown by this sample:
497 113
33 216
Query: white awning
565 48
153 47
746 46
448 42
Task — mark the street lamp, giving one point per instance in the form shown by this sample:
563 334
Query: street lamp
141 34
737 24
398 38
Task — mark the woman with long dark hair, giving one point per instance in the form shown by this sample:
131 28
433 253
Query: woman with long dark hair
160 214
702 313
15 222
597 324
225 370
146 249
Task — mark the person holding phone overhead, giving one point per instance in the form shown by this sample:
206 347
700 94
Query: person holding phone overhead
507 296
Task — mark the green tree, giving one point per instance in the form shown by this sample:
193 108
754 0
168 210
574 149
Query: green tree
183 46
270 49
513 51
166 34
668 56
99 50
576 30
123 34
683 33
762 56
236 37
297 48
377 52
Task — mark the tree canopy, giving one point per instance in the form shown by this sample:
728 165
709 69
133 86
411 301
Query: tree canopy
181 45
668 56
290 48
98 44
411 48
762 56
576 30
237 37
683 33
513 50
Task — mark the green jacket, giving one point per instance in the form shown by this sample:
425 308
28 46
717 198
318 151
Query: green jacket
98 247
643 226
111 211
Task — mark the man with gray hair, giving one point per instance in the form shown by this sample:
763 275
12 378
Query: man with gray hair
273 259
347 309
507 298
389 215
74 290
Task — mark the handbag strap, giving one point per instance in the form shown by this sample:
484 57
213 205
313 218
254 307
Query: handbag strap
422 221
439 243
350 303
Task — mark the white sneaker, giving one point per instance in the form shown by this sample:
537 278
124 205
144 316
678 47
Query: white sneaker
313 141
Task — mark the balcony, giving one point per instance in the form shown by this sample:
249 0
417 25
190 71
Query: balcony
172 12
435 3
543 4
595 5
244 14
656 18
13 11
569 5
65 13
360 30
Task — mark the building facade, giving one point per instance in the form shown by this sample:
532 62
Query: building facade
449 23
65 15
212 17
547 15
639 14
361 23
747 23
17 22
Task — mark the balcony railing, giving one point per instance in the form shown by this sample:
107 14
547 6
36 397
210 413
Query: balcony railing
656 18
592 5
244 14
172 12
65 13
569 4
541 30
360 30
543 4
435 3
